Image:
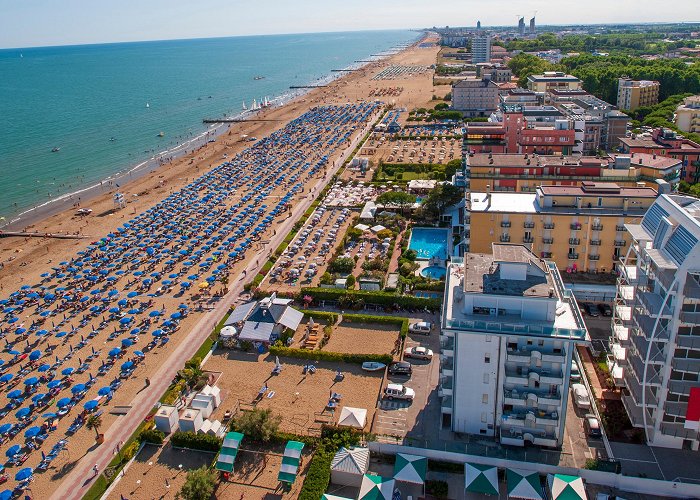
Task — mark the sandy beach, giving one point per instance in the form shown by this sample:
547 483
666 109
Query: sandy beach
24 260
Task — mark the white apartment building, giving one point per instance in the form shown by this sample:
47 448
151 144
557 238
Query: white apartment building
509 329
481 49
656 323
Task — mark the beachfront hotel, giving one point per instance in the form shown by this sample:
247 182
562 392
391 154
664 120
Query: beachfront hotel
656 324
509 329
581 228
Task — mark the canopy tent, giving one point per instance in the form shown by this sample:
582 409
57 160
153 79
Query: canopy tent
564 487
410 468
349 465
523 484
377 228
290 462
229 450
480 478
326 496
376 488
362 227
353 417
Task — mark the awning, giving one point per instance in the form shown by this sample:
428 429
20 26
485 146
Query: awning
376 488
564 487
523 484
228 452
290 462
240 313
256 332
410 468
353 417
480 478
291 318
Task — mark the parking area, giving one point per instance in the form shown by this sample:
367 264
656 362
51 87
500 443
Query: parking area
577 443
400 419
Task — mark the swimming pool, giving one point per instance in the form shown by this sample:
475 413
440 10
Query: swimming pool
433 272
429 242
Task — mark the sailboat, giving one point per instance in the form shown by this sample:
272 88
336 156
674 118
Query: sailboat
254 106
245 108
148 105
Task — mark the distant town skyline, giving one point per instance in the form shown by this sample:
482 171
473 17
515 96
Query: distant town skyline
43 22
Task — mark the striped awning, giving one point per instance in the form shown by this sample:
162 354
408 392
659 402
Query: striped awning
290 462
229 450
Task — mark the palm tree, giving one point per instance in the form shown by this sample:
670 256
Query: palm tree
94 422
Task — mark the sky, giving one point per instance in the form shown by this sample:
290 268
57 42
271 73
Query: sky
29 23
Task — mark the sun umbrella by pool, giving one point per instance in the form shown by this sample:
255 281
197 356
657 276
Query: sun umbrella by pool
13 450
24 474
31 381
67 371
32 432
14 394
90 405
115 351
104 391
63 402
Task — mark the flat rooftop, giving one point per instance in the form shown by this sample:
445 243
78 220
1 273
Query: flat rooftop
601 189
520 160
482 273
504 202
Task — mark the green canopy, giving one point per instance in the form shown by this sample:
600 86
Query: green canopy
229 450
480 478
290 462
410 468
376 488
523 484
564 487
326 496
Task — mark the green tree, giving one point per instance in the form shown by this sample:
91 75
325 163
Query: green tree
399 199
94 422
199 484
350 284
342 265
443 196
259 424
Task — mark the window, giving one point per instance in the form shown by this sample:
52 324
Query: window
483 417
540 343
485 399
486 378
600 201
488 338
487 358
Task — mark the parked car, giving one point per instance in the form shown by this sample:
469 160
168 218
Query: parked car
592 426
575 373
400 368
418 353
605 309
581 398
591 309
423 327
399 391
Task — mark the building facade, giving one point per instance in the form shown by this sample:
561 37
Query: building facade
633 94
553 80
580 228
656 324
666 142
688 115
481 49
509 329
475 97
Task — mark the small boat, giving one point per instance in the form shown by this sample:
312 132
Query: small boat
112 139
162 134
373 366
55 150
245 108
148 105
258 77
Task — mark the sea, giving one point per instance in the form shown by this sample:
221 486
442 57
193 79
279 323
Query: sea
108 108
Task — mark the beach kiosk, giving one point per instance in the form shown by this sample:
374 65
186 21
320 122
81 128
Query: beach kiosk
229 450
376 488
352 417
213 392
524 484
565 487
166 419
203 403
290 462
349 465
479 478
191 420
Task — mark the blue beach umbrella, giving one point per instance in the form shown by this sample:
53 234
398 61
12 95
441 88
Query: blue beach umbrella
90 405
13 450
126 320
5 428
127 343
63 402
115 351
104 391
131 295
35 355
77 389
49 415
37 397
24 474
32 432
23 412
140 354
53 384
31 381
14 394
154 314
127 366
67 371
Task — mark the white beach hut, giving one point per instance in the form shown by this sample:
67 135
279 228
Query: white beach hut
203 403
191 420
214 392
166 419
349 465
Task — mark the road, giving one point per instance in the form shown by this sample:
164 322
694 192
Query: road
77 483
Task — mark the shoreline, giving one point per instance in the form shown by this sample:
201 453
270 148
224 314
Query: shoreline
128 176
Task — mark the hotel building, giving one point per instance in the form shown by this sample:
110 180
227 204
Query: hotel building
633 94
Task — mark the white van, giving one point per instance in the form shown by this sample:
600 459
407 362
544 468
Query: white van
423 327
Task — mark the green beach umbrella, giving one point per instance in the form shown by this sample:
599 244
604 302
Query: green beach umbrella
410 468
480 478
376 488
523 484
290 462
229 450
564 487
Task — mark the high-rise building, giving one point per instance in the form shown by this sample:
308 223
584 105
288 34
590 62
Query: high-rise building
521 26
475 96
532 26
478 25
656 324
481 49
688 115
633 94
509 330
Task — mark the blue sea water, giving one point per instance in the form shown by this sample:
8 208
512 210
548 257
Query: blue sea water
77 98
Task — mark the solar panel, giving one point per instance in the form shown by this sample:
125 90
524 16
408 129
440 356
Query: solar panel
680 244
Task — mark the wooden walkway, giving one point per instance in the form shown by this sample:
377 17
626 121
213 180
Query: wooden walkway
36 234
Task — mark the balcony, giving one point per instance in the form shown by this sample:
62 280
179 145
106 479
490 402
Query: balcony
596 243
546 255
547 241
620 243
520 439
690 317
528 239
654 304
446 383
688 341
576 226
593 257
523 396
505 223
528 225
574 241
505 238
447 344
531 417
447 363
549 225
572 256
446 404
619 228
596 227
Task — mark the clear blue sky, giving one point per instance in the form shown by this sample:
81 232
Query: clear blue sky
25 23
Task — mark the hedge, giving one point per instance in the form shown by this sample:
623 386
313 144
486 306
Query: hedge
153 436
194 441
376 298
325 315
318 355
